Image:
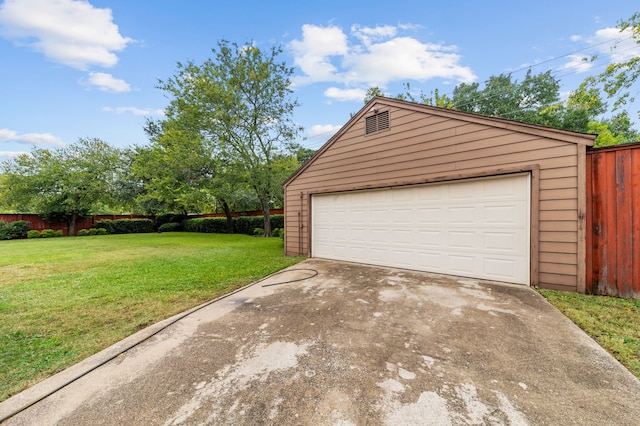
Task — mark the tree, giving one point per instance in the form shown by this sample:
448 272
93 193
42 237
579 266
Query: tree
127 188
176 169
620 77
63 184
536 100
372 92
301 153
505 98
241 102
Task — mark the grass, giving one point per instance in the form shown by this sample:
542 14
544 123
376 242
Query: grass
64 299
613 323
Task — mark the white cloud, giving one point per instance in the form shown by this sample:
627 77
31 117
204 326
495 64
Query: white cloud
371 56
8 155
35 139
578 64
70 32
314 52
107 83
622 46
134 111
610 44
369 35
324 130
404 58
345 94
319 134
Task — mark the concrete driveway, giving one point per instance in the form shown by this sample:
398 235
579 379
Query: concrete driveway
354 345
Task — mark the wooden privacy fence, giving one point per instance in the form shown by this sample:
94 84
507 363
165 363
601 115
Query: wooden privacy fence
613 221
36 221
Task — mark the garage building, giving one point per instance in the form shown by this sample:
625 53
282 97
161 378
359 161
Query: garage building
424 188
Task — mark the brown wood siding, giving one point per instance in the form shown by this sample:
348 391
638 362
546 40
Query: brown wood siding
613 221
420 147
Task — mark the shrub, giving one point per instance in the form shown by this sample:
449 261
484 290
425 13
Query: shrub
168 218
18 229
83 233
47 233
258 232
92 231
14 230
217 225
101 231
125 226
170 227
58 233
247 224
278 233
4 235
106 224
277 221
34 233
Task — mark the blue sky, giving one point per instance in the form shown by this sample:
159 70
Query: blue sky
74 69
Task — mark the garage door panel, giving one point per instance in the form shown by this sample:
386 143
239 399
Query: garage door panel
500 241
379 236
462 265
377 216
431 216
502 268
403 236
463 240
358 235
462 192
403 216
463 215
505 214
432 239
432 261
476 228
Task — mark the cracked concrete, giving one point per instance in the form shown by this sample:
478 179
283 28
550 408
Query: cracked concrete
355 345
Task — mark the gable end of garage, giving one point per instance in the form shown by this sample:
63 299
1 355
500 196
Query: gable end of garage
427 145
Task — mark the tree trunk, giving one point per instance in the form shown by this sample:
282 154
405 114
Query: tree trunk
71 231
227 213
264 203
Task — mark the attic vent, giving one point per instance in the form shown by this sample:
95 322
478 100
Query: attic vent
377 122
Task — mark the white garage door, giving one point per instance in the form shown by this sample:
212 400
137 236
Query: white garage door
474 228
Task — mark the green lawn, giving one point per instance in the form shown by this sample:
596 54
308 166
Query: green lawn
613 323
64 299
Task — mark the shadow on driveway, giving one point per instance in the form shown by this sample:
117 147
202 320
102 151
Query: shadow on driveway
353 345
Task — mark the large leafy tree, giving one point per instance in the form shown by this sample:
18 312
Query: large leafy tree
180 171
241 101
66 183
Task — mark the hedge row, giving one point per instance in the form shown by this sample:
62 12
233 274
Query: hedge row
210 225
14 230
241 225
125 226
45 233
